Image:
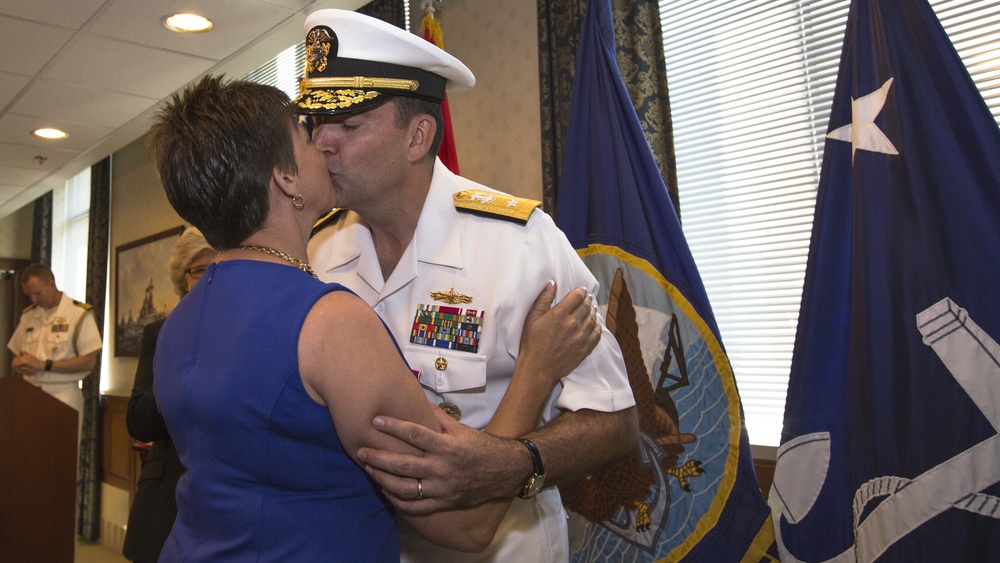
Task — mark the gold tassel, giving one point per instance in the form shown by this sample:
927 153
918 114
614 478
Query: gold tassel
431 28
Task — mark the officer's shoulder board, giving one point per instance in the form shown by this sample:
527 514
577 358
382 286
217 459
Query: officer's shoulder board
28 308
326 220
497 205
85 306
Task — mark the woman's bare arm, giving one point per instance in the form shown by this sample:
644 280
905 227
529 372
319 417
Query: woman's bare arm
349 363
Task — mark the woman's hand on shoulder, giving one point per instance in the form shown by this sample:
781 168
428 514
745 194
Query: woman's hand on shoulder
557 338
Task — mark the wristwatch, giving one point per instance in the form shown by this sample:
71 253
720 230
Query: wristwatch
537 479
48 365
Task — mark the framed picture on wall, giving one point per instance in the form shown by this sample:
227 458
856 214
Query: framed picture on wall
143 291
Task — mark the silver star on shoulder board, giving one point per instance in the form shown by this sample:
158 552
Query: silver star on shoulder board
862 132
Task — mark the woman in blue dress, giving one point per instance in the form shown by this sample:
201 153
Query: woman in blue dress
269 380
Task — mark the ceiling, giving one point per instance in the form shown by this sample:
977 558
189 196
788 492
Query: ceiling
98 68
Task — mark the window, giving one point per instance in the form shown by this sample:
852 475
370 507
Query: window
71 235
283 71
751 84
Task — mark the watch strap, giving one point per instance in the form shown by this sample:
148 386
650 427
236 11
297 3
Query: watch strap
536 457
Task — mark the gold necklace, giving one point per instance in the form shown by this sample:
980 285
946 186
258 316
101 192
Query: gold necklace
297 262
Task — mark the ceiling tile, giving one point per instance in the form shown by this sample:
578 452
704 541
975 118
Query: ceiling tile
20 156
237 22
53 12
8 193
79 104
10 85
292 4
17 129
101 62
27 46
23 177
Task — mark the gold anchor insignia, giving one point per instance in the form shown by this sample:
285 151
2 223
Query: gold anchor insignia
317 49
450 297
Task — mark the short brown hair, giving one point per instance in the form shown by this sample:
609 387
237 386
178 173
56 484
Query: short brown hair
40 271
215 146
408 108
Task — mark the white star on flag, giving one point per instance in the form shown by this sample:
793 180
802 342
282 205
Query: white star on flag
862 132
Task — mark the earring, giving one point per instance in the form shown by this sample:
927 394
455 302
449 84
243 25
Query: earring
298 201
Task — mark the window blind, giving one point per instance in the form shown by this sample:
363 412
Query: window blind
751 84
283 71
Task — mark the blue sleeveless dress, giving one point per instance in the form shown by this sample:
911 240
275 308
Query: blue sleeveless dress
267 478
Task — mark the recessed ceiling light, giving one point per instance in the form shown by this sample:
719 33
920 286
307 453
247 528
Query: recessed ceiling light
186 23
47 133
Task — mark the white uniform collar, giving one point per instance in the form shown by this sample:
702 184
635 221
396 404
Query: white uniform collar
438 235
58 311
436 239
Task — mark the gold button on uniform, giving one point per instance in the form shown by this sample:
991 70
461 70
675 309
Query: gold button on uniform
441 364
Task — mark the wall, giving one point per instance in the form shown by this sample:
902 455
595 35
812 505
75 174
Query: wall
15 233
497 124
139 208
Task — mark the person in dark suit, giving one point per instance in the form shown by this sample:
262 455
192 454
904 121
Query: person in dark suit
154 507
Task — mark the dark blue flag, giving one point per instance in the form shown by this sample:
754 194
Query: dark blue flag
890 448
688 492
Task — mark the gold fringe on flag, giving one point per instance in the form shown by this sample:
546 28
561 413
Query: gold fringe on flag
430 29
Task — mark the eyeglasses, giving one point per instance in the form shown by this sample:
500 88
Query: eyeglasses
196 271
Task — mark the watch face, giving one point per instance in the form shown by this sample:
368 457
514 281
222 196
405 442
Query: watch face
534 484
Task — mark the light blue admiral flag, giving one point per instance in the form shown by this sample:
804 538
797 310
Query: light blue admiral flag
688 492
890 448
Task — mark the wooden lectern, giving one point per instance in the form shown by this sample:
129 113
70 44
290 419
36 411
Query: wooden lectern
38 457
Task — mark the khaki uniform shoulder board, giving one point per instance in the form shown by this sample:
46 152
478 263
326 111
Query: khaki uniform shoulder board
86 306
28 308
492 204
326 220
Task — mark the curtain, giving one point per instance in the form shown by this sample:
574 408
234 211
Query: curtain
41 232
640 59
89 484
392 11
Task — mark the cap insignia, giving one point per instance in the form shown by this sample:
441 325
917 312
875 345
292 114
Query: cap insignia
450 297
318 46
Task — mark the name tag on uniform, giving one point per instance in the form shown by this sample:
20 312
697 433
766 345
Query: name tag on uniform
452 328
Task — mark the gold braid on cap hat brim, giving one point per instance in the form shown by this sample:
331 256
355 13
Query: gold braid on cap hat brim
333 99
360 82
314 93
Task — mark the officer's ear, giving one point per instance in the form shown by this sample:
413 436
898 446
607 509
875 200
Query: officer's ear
421 135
